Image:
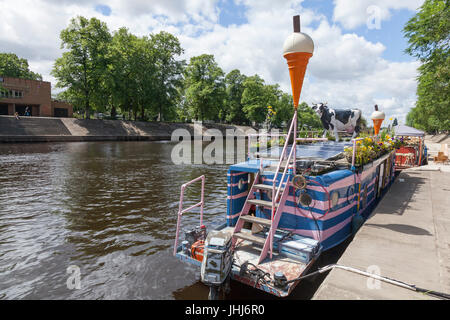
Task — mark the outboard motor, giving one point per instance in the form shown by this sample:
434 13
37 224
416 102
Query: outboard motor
217 261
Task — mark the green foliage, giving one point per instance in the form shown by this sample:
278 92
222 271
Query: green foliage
257 96
307 116
234 82
428 34
122 72
204 89
370 149
13 66
82 67
168 76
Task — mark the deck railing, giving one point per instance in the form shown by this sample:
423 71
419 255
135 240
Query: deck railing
181 210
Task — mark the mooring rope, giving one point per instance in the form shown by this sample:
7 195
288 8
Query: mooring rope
398 283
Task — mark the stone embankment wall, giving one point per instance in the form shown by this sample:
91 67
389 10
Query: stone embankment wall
40 129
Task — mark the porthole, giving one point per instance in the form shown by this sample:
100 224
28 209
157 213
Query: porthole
364 197
305 199
299 182
334 199
241 184
350 195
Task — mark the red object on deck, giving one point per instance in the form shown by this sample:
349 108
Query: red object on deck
406 157
197 250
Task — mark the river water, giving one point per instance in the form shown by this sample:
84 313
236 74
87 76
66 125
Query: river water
109 211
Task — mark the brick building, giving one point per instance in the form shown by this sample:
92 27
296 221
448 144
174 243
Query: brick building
17 94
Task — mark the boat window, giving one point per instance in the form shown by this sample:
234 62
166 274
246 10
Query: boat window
364 197
334 199
305 199
350 195
241 184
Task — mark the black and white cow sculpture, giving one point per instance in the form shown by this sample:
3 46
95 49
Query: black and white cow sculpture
338 120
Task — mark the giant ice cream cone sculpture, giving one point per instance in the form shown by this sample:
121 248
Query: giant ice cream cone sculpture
377 118
297 50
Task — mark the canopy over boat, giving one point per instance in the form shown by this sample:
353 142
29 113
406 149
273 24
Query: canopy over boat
402 130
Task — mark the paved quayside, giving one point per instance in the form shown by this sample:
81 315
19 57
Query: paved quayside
407 238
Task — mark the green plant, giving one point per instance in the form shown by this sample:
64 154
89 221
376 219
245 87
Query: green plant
369 149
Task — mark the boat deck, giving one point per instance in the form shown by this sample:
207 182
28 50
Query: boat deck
246 251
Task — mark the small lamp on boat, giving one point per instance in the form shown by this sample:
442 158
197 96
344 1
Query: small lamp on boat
297 50
377 118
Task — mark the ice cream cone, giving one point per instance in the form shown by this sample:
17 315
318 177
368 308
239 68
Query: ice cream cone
297 50
377 118
297 62
377 125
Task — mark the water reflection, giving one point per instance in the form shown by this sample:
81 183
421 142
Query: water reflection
109 208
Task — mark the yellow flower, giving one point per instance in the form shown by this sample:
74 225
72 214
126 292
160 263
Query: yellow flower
391 118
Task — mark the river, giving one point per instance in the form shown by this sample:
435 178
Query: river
107 210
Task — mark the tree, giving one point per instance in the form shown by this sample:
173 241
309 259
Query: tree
204 88
122 70
82 70
257 96
13 66
307 116
168 75
234 82
428 34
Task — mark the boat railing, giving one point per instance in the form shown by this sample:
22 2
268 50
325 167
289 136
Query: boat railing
181 210
312 139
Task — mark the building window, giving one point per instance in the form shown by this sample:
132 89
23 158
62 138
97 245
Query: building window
12 94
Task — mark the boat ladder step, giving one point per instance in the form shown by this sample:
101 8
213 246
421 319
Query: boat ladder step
253 219
266 187
264 203
249 237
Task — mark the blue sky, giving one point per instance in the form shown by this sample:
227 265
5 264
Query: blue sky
352 66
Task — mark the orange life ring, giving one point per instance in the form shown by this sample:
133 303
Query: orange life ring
197 250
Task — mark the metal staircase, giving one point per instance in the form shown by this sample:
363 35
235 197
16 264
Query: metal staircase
280 191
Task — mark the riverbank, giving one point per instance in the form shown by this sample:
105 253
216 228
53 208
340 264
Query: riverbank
46 129
407 238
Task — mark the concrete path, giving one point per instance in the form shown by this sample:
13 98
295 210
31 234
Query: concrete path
407 239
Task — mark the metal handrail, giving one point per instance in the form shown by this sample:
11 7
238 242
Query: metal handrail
181 210
312 139
286 143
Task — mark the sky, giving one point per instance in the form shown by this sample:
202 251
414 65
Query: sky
358 61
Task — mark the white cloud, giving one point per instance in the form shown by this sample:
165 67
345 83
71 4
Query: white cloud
346 70
351 14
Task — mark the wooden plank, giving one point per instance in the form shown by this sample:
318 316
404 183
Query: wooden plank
266 187
254 219
263 203
249 237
